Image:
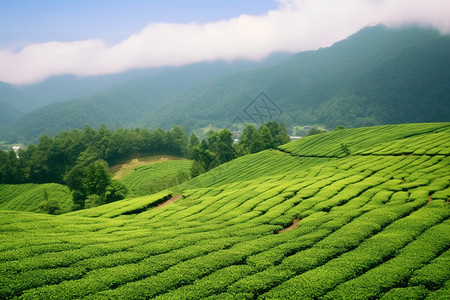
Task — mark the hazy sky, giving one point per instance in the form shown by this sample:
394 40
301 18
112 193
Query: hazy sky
43 38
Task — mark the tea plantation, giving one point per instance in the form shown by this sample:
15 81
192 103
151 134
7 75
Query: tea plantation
371 207
29 196
154 177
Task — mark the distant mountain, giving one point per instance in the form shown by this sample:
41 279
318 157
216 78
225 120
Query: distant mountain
125 104
70 87
376 76
12 102
8 114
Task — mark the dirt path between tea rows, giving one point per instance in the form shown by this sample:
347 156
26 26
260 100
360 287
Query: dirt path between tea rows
171 200
293 225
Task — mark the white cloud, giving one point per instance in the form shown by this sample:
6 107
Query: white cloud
297 25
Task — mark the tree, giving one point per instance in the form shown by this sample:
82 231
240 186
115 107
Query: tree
177 141
115 191
193 141
204 160
159 141
93 200
46 194
88 178
345 149
96 178
213 141
89 135
197 168
257 144
225 149
278 132
50 206
78 199
315 130
267 138
249 134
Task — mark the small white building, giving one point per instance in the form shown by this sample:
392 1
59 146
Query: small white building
16 150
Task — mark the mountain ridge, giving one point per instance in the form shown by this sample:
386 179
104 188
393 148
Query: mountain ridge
144 91
346 83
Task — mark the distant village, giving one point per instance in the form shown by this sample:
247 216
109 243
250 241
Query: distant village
298 134
16 150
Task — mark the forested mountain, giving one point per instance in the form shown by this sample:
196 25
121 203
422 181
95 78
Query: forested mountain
26 98
8 114
12 102
376 76
70 87
124 105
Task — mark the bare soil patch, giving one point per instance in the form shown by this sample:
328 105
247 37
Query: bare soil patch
171 200
292 226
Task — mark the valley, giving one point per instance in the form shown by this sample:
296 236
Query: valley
376 76
372 222
291 162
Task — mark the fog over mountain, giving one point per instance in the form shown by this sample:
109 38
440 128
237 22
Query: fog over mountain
376 76
294 26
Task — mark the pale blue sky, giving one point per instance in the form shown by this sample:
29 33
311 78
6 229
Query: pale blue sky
43 38
24 21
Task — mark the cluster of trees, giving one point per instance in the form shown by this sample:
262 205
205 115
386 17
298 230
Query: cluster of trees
219 147
270 135
80 159
52 158
91 183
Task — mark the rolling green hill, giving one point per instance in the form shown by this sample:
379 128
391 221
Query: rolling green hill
154 177
29 196
365 212
377 76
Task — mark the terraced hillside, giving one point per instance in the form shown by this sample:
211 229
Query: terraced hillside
370 208
29 196
157 176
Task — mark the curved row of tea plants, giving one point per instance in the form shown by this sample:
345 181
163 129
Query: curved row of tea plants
155 177
370 225
30 196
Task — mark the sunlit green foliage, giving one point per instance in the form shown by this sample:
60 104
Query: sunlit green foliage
156 177
35 197
371 225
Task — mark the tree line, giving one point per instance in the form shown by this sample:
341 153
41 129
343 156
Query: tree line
220 147
80 158
52 158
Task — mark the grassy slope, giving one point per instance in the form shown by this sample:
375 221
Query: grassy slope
142 176
27 197
373 224
154 176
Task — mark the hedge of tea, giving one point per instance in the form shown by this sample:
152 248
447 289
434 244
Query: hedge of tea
372 224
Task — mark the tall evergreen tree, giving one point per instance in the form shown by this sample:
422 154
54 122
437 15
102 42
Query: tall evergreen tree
225 151
249 134
267 138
